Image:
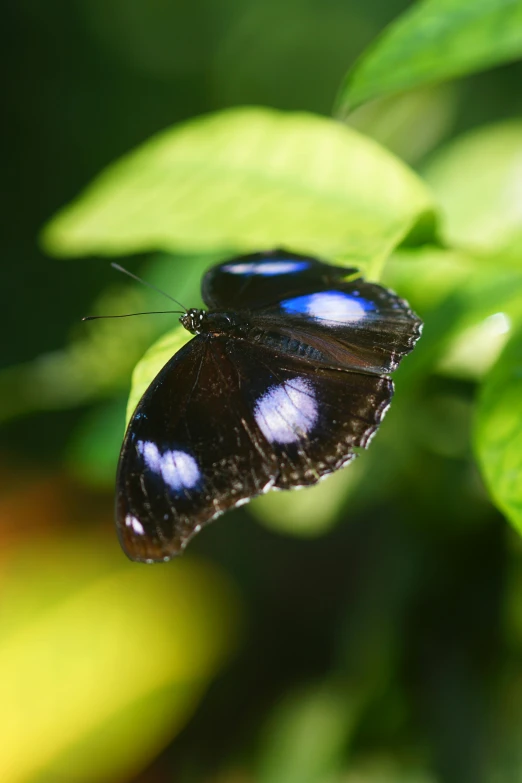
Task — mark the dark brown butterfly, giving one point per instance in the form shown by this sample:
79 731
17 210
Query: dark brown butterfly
286 376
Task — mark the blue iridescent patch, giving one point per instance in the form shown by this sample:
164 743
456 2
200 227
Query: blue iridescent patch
333 307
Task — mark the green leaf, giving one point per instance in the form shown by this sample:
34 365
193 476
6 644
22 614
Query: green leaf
433 41
468 304
498 432
247 179
103 661
477 180
426 276
410 124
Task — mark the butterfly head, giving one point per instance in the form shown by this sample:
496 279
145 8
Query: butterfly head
193 320
198 321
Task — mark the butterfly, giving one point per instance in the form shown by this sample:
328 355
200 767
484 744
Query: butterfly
286 376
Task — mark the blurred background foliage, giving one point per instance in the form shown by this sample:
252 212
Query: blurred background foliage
368 630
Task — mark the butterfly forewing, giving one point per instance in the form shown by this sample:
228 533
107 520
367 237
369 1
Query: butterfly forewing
327 311
261 279
189 453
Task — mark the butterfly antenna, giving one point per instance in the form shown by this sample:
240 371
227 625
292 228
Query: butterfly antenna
128 315
149 285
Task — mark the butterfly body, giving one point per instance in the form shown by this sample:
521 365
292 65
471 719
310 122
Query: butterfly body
286 376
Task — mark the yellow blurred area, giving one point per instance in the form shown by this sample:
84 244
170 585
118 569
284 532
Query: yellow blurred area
102 661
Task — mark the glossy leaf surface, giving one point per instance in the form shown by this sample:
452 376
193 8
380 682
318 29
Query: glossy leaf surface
477 180
433 41
249 179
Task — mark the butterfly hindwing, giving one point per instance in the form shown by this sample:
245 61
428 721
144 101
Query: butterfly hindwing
311 419
220 425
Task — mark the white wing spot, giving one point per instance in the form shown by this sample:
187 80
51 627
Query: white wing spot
266 268
150 453
135 524
332 307
288 412
177 468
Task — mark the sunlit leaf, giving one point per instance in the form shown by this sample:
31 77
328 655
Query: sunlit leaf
468 309
410 124
426 276
102 661
247 179
468 303
475 349
433 41
477 180
498 432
